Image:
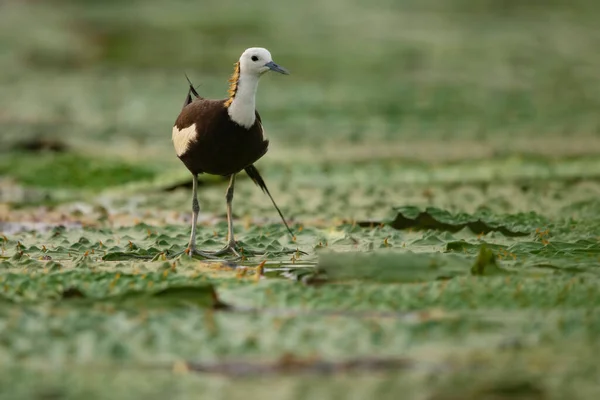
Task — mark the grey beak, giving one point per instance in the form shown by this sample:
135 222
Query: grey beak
274 67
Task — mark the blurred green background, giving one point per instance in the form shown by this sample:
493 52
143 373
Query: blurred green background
370 79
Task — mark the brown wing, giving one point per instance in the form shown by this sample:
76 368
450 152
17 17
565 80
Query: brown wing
219 146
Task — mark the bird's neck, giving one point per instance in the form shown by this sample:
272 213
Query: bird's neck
241 105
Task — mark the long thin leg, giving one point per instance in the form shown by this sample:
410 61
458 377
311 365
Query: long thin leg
191 247
195 211
231 247
229 198
231 244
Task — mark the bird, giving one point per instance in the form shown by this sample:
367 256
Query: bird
224 137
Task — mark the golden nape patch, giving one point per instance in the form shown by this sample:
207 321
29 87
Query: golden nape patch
233 84
182 138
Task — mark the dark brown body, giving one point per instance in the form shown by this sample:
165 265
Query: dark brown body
220 146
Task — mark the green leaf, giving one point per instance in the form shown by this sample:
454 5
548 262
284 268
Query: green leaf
481 222
122 255
198 295
390 266
204 296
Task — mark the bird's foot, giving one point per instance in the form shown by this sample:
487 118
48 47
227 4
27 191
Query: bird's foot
241 252
233 248
192 251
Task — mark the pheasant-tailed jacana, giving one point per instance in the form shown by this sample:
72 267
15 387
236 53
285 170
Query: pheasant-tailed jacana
224 137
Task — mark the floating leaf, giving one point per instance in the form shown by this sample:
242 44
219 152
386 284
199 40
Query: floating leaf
482 222
203 296
390 266
198 295
134 255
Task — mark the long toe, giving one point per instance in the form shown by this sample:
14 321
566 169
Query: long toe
229 249
249 252
205 254
287 250
191 253
234 249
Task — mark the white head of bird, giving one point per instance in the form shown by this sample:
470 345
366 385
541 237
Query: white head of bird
253 63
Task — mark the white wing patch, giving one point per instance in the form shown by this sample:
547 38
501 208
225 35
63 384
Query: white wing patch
183 138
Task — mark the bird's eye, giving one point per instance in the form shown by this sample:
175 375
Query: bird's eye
254 58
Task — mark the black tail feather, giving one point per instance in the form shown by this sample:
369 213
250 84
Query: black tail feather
255 176
188 99
191 91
